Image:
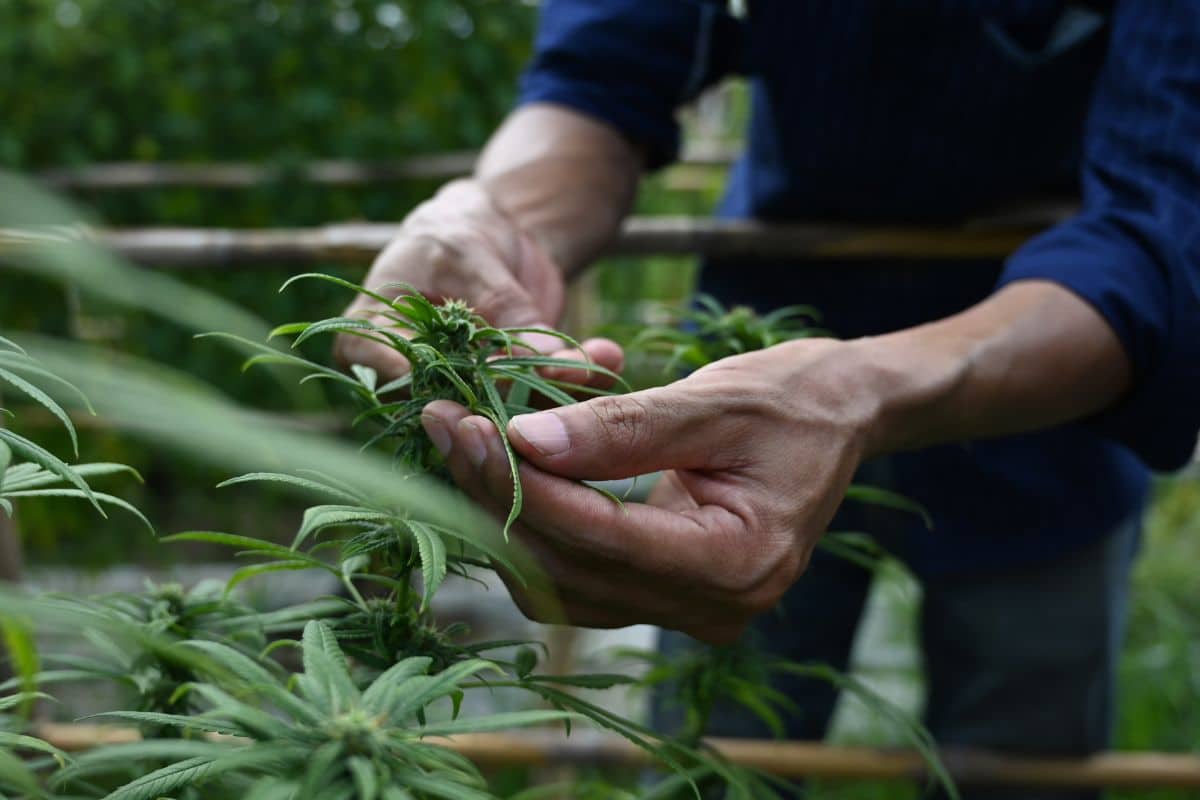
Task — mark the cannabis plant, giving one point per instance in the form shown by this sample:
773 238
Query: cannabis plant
43 474
380 630
314 735
372 546
131 641
453 354
711 331
18 771
208 679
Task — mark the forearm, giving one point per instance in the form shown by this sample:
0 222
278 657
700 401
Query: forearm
1032 356
562 177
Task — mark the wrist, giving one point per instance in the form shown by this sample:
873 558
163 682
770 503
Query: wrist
834 384
909 383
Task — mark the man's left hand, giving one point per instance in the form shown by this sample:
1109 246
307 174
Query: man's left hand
757 451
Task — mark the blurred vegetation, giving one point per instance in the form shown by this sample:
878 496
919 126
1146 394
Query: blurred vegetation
270 81
1159 707
273 82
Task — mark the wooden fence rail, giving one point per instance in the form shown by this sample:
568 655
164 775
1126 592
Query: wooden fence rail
134 176
785 759
358 243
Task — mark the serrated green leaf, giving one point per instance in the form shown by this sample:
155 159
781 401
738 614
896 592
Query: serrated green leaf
366 782
432 551
119 757
101 497
307 484
181 721
190 772
318 518
377 696
435 786
50 462
45 401
17 741
305 276
495 722
419 691
334 325
326 669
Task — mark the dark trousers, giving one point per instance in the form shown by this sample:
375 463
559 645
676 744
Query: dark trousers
1022 661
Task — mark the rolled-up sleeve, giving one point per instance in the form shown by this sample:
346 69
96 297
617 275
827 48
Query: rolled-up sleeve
1133 251
631 63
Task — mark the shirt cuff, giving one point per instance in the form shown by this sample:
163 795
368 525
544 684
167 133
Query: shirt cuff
1111 265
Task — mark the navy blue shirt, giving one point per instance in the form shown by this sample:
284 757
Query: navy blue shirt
934 110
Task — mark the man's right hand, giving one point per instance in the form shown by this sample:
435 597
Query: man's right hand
460 245
549 192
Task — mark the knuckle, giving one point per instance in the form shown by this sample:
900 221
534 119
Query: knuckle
504 296
505 300
439 251
623 418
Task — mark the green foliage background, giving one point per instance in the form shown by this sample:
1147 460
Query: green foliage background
277 82
270 81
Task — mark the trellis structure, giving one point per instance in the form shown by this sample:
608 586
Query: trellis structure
988 238
985 238
793 760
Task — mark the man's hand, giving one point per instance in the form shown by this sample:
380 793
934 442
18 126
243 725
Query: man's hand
760 449
549 192
459 245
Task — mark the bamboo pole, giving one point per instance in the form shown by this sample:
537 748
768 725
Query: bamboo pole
130 176
785 759
358 243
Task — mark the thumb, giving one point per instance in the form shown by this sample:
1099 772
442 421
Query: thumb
620 436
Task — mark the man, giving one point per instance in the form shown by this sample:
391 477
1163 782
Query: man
1022 404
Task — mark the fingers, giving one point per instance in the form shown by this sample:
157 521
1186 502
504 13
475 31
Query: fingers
625 435
608 565
603 353
459 246
575 516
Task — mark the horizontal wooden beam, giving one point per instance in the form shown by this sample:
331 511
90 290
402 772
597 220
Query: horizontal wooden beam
785 759
358 243
134 176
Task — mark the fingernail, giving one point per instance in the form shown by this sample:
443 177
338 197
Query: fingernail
545 432
438 434
473 443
